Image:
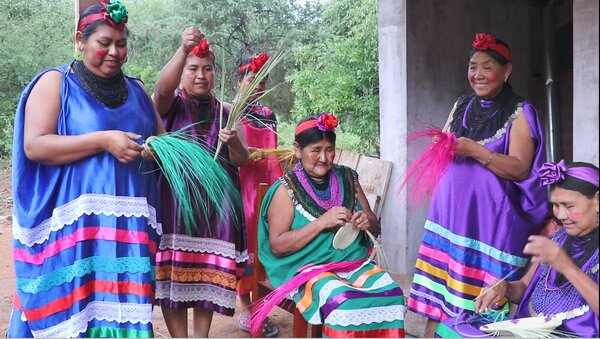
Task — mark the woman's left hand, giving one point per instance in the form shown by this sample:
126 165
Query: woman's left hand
545 250
228 136
360 221
148 153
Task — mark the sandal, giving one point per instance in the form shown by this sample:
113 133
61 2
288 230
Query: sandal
269 329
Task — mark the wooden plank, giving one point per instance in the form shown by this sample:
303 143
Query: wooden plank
338 151
373 174
374 177
348 158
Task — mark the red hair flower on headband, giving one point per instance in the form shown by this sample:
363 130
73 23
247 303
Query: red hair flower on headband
327 122
202 49
484 41
258 62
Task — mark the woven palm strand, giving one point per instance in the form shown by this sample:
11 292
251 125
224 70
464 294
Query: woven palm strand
242 98
197 180
424 173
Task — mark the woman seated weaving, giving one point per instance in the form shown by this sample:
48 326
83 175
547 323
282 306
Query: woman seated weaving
330 277
561 286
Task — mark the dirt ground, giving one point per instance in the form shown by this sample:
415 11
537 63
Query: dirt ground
222 327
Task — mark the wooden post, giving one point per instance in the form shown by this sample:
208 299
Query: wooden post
80 6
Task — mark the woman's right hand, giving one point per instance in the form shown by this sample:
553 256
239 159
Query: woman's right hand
491 296
335 217
122 145
190 38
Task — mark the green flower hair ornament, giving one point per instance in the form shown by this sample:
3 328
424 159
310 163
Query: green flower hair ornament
117 12
113 13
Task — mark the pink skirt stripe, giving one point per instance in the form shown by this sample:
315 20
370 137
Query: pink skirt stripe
427 310
456 266
83 234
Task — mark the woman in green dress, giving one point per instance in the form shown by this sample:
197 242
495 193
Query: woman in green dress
298 221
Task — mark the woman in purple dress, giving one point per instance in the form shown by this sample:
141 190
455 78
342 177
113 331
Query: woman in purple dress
489 200
562 281
197 269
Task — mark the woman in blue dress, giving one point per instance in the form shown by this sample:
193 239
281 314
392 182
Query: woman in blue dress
85 227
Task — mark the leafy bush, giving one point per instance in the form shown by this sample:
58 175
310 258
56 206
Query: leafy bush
338 73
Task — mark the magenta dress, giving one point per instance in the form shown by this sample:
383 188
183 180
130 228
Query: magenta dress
478 223
199 269
260 128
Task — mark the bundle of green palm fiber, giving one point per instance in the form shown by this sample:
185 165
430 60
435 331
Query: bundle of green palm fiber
197 180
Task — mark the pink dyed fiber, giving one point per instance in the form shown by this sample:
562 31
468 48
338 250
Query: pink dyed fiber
426 171
262 308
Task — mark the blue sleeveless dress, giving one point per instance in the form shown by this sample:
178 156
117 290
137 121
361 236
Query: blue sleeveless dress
85 234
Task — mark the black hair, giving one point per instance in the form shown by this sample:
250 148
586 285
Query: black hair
91 28
313 135
572 183
493 54
245 60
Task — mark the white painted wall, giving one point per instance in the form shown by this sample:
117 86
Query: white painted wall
393 122
585 81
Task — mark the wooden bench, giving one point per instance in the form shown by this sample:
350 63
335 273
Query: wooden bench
373 174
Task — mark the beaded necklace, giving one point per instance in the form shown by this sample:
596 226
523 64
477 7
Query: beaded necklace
111 92
317 200
546 291
326 199
477 118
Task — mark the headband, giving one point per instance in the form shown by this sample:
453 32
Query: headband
325 122
255 64
551 173
202 49
114 13
485 42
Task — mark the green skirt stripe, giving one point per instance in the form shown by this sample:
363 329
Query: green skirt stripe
113 332
352 303
449 297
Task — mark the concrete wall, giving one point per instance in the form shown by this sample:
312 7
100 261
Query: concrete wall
434 38
393 122
585 80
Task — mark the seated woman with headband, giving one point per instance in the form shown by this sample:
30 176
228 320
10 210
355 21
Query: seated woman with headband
562 282
335 283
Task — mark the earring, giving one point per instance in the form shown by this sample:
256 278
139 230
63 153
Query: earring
298 166
78 55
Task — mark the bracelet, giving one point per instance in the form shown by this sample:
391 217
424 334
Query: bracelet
489 159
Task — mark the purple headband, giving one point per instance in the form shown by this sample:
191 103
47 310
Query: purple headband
551 173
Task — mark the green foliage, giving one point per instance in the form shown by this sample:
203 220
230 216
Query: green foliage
333 67
34 35
236 28
338 73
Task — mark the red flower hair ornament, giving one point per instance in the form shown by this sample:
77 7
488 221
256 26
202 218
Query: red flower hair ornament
485 42
255 64
202 49
325 122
